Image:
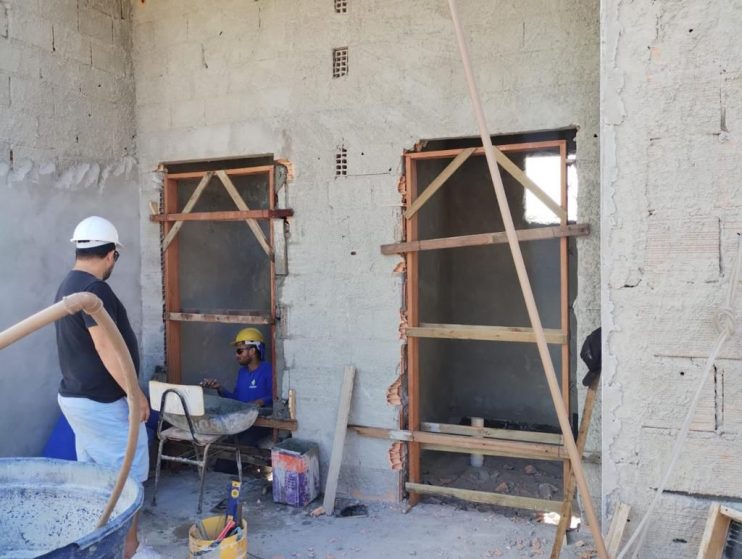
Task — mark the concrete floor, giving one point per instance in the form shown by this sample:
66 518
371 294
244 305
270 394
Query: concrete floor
441 531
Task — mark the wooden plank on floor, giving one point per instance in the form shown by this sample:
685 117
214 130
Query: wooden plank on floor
486 333
512 501
482 239
338 444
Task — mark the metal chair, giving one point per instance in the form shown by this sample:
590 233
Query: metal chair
174 400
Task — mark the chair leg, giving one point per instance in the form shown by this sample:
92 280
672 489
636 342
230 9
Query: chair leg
157 472
204 464
238 459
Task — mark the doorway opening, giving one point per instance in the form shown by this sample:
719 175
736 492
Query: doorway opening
473 368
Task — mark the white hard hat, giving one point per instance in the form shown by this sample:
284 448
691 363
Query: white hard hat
95 231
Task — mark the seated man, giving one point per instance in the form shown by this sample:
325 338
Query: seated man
254 379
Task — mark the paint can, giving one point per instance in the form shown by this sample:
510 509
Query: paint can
231 547
296 474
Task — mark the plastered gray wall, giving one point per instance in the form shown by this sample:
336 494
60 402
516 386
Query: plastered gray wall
244 78
671 114
66 151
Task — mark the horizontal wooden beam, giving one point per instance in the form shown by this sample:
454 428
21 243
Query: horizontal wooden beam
485 333
491 433
536 234
233 172
505 148
223 216
245 318
511 501
274 423
467 445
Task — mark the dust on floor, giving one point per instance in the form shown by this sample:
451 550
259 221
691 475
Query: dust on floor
275 531
511 476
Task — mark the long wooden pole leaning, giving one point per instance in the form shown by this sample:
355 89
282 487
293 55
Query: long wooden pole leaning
565 515
93 306
525 285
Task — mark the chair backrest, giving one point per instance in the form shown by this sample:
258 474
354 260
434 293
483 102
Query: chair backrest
192 394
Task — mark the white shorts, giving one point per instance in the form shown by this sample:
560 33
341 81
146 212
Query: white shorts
101 432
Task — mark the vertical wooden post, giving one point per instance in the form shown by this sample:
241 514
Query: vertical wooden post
272 264
413 319
564 297
171 282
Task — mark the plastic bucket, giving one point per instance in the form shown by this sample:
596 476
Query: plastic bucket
233 547
49 508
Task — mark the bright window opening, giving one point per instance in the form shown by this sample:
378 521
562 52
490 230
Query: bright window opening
545 172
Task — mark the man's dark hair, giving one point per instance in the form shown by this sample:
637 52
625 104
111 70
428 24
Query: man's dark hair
94 252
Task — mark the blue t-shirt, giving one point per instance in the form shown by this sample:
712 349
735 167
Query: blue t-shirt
253 385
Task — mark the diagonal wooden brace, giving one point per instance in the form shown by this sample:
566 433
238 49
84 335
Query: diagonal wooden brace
518 174
525 284
187 209
438 181
241 205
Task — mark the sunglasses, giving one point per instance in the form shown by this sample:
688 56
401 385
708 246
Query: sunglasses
116 255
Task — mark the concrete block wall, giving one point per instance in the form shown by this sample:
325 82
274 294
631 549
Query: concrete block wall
227 79
66 151
670 127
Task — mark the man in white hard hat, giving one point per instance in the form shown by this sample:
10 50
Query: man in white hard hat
91 393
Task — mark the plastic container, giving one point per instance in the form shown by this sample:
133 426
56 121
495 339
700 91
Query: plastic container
49 508
233 547
296 476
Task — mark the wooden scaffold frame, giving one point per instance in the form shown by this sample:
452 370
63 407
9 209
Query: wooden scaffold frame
455 438
172 219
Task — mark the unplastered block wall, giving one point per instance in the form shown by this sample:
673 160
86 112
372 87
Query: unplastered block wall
66 151
670 119
240 78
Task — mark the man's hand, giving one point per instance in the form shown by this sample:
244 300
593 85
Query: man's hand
211 383
143 407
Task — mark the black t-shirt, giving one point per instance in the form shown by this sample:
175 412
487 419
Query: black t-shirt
83 372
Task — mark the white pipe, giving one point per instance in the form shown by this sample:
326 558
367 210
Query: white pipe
92 305
726 326
525 285
477 460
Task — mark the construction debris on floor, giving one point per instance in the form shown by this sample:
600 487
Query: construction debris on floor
277 531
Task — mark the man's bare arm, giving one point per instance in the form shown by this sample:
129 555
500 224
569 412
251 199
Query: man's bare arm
107 353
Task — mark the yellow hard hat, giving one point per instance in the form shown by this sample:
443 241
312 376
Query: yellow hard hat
248 336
